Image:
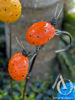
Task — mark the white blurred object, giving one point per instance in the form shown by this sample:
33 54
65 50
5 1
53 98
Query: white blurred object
72 10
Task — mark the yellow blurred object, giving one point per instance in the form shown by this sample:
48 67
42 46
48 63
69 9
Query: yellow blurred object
10 10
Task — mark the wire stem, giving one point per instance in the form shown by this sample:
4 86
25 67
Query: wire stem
30 70
10 52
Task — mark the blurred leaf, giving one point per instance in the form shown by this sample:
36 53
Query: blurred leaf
39 97
70 29
0 96
6 93
35 89
69 61
69 18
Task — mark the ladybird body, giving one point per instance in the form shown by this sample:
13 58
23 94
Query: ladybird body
18 67
10 10
39 33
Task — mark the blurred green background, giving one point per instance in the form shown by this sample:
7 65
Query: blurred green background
63 62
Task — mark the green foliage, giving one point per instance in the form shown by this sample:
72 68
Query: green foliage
69 18
67 59
71 30
67 62
3 94
69 24
36 89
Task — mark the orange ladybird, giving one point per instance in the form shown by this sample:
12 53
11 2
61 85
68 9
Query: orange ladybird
39 33
10 10
18 67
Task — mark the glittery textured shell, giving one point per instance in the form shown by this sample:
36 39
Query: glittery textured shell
10 10
39 33
18 67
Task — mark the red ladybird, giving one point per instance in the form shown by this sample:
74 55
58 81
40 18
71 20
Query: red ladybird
39 33
18 67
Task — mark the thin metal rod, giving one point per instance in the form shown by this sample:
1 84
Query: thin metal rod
10 50
10 53
30 70
24 92
58 32
28 77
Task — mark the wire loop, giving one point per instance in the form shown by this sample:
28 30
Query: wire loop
59 32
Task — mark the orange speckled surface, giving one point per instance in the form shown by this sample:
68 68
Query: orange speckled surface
39 33
10 10
18 67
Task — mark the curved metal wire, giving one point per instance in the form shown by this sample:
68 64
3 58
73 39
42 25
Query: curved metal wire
32 61
58 32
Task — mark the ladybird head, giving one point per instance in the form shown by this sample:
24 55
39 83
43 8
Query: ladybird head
25 52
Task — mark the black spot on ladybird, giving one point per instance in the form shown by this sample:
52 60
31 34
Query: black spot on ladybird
14 77
44 25
19 61
37 36
5 9
12 64
14 5
30 35
22 75
45 30
33 43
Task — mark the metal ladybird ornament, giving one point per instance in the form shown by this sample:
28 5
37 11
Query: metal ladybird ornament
18 66
39 33
10 10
